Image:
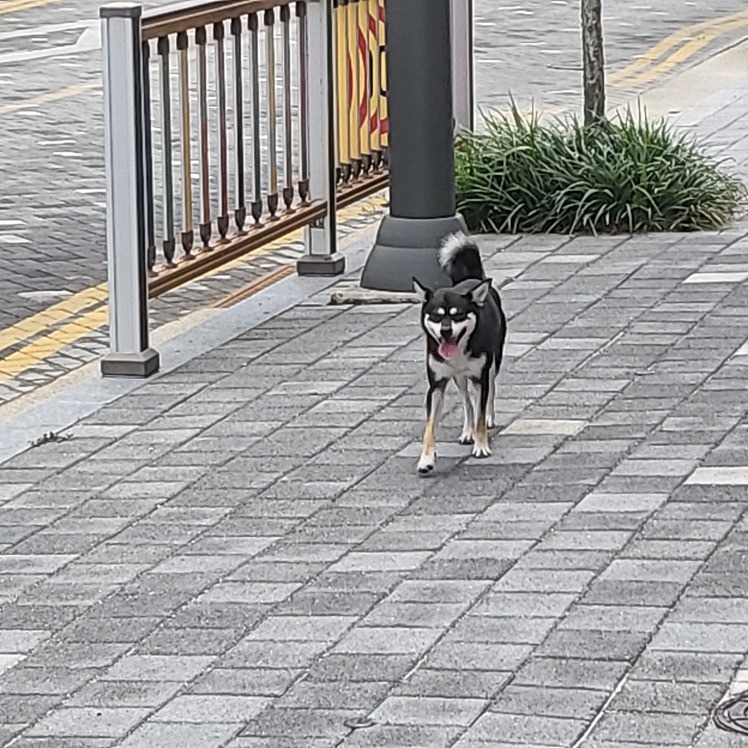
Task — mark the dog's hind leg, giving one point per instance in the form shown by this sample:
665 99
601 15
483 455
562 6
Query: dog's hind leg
463 384
434 403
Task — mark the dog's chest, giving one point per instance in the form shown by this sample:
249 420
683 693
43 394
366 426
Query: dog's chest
459 365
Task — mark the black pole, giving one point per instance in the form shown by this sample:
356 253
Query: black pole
421 148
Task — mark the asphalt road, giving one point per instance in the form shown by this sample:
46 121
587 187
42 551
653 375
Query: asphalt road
51 150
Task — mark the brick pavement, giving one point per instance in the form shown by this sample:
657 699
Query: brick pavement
239 553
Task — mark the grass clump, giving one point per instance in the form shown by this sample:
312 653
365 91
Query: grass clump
625 175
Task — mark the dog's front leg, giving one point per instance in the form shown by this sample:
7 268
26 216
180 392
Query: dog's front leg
490 409
468 422
434 403
480 445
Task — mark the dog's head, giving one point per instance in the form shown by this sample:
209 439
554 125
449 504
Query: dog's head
449 316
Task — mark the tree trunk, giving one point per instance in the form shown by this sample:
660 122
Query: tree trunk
593 61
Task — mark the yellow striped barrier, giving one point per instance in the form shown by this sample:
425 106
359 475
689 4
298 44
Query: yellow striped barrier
362 85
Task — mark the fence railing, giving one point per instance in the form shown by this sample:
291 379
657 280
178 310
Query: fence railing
246 120
228 101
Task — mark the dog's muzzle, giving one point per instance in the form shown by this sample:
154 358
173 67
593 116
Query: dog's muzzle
448 344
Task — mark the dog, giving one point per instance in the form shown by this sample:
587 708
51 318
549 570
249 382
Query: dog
465 330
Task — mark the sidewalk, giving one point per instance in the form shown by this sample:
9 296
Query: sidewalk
240 554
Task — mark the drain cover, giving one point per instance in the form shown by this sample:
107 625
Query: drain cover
733 714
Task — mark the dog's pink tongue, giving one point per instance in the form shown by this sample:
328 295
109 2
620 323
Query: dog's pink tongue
447 350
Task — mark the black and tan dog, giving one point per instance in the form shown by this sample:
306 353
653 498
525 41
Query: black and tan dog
465 330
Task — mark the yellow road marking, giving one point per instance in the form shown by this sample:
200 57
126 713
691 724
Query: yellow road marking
684 34
36 352
58 312
45 98
14 6
684 53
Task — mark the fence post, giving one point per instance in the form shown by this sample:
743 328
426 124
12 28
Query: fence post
129 354
320 238
463 69
420 148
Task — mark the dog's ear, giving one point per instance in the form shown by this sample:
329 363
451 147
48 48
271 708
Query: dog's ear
480 293
423 293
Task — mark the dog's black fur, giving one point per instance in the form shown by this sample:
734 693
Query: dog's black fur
465 329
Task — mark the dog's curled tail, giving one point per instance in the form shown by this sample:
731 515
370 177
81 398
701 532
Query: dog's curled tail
460 257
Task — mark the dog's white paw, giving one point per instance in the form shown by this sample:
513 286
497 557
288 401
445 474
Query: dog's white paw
490 423
466 437
426 464
481 450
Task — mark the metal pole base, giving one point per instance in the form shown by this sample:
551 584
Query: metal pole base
141 365
406 248
326 265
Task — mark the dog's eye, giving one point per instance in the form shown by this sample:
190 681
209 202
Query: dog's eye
459 317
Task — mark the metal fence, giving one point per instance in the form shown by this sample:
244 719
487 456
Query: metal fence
228 101
230 123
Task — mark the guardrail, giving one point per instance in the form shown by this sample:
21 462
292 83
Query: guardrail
228 125
228 104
